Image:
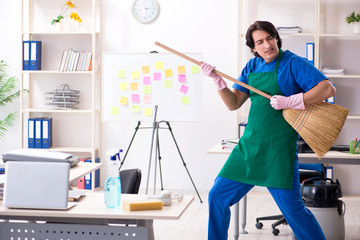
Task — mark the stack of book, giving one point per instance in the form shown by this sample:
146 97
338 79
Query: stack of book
326 70
229 143
75 61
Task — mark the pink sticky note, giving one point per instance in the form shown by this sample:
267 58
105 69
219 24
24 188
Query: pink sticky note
182 78
184 89
135 98
157 76
147 99
147 80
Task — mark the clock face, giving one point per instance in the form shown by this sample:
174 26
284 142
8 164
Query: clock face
145 11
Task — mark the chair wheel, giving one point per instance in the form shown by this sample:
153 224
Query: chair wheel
259 225
276 231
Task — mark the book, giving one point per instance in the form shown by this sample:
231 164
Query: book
229 143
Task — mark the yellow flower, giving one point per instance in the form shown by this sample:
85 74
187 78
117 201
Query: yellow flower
76 17
70 4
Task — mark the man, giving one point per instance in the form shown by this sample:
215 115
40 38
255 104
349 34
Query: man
267 153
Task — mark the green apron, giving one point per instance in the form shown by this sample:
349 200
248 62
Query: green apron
266 152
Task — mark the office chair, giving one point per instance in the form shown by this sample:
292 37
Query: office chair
306 171
130 180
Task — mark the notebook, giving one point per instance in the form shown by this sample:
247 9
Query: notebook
37 185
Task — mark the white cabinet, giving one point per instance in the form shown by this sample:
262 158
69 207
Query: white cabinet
323 23
74 130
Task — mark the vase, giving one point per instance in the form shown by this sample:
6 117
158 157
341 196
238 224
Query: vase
58 27
356 27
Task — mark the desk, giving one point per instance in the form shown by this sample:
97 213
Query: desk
89 219
331 157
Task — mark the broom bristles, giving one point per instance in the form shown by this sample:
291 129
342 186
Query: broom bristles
319 125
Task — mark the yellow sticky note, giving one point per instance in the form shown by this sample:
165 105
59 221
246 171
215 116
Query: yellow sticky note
134 86
115 111
181 69
124 100
121 74
145 69
136 108
194 69
185 100
148 112
168 73
124 86
159 65
135 75
168 83
147 89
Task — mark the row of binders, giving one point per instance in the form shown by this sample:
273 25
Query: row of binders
75 61
40 132
32 55
86 182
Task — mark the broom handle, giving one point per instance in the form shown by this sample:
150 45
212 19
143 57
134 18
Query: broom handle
216 71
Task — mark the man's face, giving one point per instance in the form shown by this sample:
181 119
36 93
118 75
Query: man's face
265 45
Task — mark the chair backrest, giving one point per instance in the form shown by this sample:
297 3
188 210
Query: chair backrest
130 180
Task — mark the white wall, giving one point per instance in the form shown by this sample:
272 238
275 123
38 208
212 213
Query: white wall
209 27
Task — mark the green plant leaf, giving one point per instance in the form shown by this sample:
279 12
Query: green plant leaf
6 123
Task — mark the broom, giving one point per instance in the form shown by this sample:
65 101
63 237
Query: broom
318 124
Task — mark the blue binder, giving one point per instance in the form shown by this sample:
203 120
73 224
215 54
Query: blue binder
46 124
38 133
35 55
31 133
26 55
89 177
310 52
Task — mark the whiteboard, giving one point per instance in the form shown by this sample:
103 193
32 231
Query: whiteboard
134 83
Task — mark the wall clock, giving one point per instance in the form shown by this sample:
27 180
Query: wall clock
145 11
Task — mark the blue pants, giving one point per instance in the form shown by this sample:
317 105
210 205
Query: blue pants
227 192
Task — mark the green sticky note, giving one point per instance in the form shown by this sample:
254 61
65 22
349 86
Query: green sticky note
168 83
194 69
121 74
147 89
136 108
115 111
185 100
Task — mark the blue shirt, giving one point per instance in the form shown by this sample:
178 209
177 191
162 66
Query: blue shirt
295 74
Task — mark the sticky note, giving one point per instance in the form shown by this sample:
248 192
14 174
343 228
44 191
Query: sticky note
124 86
185 100
168 73
135 75
134 86
194 69
135 98
181 69
148 112
182 78
115 111
121 74
147 89
136 108
159 65
168 83
145 69
157 76
147 80
184 89
123 100
147 99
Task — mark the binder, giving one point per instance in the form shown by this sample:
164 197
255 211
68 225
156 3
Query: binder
31 133
89 178
26 55
46 124
81 181
38 133
35 55
329 172
310 52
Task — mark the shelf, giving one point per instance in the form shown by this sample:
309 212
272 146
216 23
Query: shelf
353 117
43 110
341 76
289 35
59 33
56 72
340 35
73 149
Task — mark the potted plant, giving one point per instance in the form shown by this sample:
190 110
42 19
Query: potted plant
57 23
355 20
7 95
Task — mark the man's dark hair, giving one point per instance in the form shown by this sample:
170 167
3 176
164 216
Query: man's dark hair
265 26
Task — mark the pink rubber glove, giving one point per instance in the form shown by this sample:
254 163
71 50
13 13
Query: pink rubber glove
208 70
295 101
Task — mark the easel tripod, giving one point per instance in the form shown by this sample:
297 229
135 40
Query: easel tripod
156 127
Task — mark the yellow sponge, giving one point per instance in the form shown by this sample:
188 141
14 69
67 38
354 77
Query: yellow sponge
140 205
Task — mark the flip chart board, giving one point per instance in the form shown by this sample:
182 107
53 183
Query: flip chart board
134 83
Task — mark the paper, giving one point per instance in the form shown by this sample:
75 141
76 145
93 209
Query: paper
147 99
124 86
121 74
194 69
184 89
182 78
168 83
159 65
134 86
157 76
135 75
135 98
145 69
147 80
123 100
185 100
147 89
115 111
136 108
148 112
168 73
181 69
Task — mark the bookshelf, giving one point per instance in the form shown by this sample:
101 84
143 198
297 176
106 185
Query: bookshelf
323 23
74 130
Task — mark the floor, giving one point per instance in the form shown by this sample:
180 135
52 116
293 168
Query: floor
193 224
